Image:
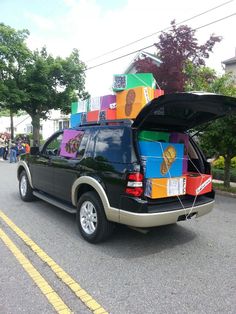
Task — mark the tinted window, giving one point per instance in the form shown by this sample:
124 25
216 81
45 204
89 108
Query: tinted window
53 147
83 144
113 145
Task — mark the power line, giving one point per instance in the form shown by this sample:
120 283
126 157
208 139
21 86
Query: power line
167 28
128 54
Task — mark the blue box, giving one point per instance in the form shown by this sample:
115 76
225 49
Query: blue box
75 119
162 160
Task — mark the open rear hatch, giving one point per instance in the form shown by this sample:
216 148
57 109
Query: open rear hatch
184 111
170 114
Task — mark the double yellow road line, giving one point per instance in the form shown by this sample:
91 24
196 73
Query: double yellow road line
43 285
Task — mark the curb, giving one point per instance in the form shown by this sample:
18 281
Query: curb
224 193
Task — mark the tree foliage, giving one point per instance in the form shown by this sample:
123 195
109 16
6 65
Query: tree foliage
219 138
175 49
36 82
14 56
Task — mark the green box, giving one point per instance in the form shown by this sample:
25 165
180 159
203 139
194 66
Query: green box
74 107
80 106
127 81
154 136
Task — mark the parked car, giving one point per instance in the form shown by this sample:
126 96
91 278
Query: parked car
104 182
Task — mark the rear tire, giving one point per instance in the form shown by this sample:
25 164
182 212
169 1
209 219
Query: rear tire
26 191
91 219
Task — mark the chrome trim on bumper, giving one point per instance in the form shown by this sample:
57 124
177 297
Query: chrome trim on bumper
163 218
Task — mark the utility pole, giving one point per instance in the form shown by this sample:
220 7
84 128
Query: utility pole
12 125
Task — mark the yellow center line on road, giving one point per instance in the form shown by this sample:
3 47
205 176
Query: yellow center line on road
43 285
86 298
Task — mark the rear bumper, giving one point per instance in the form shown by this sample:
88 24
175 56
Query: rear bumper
144 220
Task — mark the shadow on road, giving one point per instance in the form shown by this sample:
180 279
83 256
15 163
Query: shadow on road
129 243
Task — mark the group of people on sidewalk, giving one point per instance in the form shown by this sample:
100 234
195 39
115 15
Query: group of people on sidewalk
13 148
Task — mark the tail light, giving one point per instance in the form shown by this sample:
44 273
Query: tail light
134 184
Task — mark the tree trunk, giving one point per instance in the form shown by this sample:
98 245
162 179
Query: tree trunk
36 129
11 125
227 171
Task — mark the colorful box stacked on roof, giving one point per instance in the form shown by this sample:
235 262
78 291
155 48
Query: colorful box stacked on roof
132 93
127 81
93 109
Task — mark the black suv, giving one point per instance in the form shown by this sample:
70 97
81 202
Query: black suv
104 183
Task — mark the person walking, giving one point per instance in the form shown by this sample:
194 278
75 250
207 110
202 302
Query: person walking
2 146
13 152
6 149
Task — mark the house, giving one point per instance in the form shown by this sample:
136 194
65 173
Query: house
141 55
230 65
22 124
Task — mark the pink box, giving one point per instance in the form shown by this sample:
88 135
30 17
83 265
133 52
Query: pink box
181 138
108 102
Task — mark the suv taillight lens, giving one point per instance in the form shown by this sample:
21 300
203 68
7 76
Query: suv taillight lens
134 184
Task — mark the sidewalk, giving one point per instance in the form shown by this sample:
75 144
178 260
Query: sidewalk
233 184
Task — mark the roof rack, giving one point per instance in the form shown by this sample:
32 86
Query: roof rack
106 122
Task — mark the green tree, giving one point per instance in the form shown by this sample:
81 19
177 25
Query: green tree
14 56
51 83
37 82
175 49
219 137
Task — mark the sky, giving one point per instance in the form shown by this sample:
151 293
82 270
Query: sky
96 27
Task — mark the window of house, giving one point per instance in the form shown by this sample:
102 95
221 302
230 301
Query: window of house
63 124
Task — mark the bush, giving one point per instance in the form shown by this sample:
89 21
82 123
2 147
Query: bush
219 174
220 163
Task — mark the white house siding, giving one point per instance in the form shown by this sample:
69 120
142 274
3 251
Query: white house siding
22 124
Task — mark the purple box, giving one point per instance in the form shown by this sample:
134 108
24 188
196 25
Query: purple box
108 102
181 138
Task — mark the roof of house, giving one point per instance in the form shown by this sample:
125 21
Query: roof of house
230 61
143 54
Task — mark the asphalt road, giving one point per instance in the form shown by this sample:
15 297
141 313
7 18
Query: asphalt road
189 267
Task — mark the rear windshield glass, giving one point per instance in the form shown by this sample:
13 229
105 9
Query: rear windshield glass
114 145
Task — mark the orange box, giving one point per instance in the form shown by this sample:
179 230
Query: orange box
198 183
158 92
130 101
166 187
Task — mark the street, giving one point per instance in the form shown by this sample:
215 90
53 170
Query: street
189 267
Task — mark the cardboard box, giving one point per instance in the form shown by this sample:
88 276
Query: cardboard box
161 160
154 136
75 119
127 81
158 92
83 117
94 103
80 106
182 138
74 107
108 102
131 101
159 188
109 114
93 116
198 184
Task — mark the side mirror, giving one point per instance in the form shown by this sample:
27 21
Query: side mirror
34 150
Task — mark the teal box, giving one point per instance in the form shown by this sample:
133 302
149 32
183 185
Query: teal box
162 160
